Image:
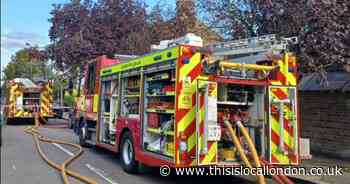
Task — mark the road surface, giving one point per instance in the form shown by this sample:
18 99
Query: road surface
20 163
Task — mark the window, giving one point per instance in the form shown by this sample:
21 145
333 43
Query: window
91 79
131 96
107 86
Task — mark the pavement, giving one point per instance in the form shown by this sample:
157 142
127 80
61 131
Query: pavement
327 162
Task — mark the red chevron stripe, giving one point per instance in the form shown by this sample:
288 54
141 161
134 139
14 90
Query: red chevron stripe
286 122
280 93
276 138
281 77
293 158
202 157
194 74
196 71
274 159
213 160
191 128
191 153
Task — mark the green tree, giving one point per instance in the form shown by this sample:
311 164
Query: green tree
27 63
322 27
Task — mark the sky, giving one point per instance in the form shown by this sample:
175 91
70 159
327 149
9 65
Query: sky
25 21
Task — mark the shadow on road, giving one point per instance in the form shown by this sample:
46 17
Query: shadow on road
152 173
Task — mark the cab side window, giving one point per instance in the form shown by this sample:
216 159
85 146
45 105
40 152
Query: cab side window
91 79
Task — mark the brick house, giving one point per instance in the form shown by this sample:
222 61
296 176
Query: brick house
325 114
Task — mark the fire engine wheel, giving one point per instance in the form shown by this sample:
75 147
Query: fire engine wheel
83 136
0 135
71 122
127 154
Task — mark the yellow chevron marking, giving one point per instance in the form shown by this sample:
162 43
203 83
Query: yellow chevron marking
282 159
291 79
191 141
49 89
211 154
187 68
186 120
281 65
201 119
285 62
214 93
274 95
43 106
190 116
44 109
44 99
13 88
200 142
19 113
287 138
276 83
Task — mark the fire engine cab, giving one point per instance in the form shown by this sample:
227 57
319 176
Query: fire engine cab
188 106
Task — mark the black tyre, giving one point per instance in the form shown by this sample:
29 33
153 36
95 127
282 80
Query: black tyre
127 154
9 121
83 136
70 123
0 135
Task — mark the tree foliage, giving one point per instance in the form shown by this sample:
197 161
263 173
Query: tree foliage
325 40
27 63
233 19
69 45
321 26
185 16
166 22
83 30
160 26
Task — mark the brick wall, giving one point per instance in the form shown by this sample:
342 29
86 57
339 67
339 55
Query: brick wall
326 122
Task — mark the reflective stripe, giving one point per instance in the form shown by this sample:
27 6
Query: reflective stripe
277 156
187 68
208 158
281 158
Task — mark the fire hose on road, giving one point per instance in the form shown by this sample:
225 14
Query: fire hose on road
280 179
63 167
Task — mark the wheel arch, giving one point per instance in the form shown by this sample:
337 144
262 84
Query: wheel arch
124 131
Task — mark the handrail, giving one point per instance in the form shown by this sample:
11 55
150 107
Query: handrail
226 64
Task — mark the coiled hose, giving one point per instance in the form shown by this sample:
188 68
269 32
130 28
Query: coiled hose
63 167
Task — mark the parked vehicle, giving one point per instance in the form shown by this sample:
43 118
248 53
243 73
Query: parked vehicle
1 124
24 98
175 107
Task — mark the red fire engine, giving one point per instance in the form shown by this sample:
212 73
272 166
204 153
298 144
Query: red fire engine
188 106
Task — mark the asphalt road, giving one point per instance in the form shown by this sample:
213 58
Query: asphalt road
20 163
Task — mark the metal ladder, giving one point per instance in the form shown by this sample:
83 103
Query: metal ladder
250 46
